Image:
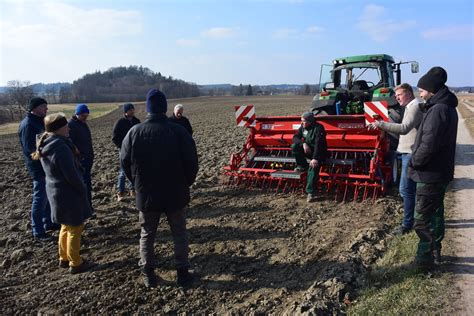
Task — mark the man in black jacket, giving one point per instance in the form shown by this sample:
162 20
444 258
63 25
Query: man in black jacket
121 128
178 118
310 142
432 163
160 159
80 135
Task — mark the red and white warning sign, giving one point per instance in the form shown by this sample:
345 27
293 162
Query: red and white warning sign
374 111
245 115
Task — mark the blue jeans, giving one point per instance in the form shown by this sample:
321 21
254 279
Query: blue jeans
40 209
407 191
121 181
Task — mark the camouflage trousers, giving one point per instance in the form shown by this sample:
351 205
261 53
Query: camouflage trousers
429 219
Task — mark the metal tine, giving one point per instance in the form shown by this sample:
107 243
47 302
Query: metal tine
356 191
345 191
365 191
375 193
286 186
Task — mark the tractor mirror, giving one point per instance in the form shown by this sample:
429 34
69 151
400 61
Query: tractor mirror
415 67
329 85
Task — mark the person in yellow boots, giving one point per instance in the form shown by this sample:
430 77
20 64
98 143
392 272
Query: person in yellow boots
66 190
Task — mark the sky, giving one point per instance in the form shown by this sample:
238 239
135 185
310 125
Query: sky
250 42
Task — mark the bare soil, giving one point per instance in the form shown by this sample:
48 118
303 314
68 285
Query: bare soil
255 252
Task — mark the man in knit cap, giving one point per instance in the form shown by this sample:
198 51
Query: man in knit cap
160 159
309 142
432 163
80 135
31 126
407 131
121 128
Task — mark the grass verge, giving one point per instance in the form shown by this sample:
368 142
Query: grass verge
394 287
96 110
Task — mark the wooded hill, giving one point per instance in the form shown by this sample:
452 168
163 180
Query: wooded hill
124 83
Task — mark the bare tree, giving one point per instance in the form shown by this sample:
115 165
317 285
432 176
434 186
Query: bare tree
6 111
51 95
19 94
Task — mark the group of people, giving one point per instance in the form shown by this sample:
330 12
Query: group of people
159 159
426 147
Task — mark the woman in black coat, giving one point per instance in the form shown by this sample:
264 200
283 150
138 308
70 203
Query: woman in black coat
67 193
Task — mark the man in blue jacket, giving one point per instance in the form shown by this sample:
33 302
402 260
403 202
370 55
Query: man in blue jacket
432 163
31 126
160 159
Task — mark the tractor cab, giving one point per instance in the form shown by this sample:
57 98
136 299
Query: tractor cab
350 81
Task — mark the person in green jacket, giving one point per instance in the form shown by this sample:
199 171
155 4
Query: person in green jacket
310 143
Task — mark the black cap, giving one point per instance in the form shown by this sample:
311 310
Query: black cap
35 102
433 80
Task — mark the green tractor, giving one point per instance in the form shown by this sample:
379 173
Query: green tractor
351 81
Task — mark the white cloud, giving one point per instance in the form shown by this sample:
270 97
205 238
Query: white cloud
221 32
64 24
452 32
55 41
187 42
376 22
284 33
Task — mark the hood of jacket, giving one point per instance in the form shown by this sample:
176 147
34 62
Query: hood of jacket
443 96
52 142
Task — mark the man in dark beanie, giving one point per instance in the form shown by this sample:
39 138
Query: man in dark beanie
160 159
432 163
81 136
310 142
30 127
121 128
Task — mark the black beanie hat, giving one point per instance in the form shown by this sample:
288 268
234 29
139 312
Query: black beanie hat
433 80
127 107
35 102
156 102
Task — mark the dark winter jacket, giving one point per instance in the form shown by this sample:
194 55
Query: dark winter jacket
434 149
315 137
183 121
31 126
67 193
80 135
160 158
121 129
